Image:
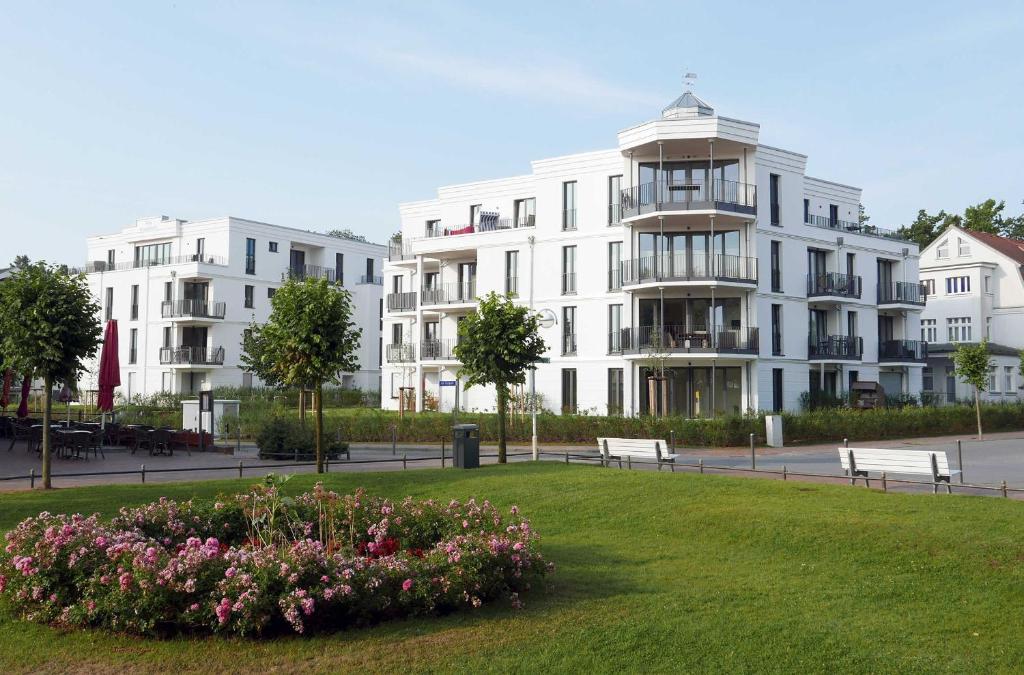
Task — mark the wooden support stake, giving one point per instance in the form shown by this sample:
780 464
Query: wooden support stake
32 478
566 456
701 464
239 468
885 487
1004 489
143 473
404 458
783 472
629 462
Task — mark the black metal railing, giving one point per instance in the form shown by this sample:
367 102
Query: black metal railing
568 344
438 349
776 280
615 342
614 214
400 353
615 278
672 339
568 283
398 250
374 280
402 302
850 226
689 267
485 225
192 356
839 347
104 266
303 272
723 195
568 219
902 350
902 292
193 309
834 284
447 294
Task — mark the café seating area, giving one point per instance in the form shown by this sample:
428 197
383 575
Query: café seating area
73 440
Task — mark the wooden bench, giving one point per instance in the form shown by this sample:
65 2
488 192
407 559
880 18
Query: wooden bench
648 449
857 462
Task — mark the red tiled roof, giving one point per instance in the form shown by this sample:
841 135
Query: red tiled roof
1013 248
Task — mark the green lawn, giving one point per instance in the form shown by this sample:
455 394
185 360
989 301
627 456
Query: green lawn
656 572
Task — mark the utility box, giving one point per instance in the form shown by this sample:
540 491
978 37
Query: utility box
773 430
466 446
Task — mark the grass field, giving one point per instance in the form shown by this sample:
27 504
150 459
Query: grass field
656 572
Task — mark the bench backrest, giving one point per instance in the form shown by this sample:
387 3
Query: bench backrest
634 447
895 461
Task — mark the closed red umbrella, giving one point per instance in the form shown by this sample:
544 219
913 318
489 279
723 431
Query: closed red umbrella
26 387
5 395
110 368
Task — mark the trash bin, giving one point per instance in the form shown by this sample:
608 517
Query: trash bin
466 446
773 430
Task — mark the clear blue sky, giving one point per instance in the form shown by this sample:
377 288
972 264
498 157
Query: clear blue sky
322 115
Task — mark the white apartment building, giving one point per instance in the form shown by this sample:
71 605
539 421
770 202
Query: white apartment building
689 247
976 291
184 291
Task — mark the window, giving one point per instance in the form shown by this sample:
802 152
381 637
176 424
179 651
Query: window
568 390
988 328
993 381
568 331
927 380
807 210
396 333
929 331
851 259
272 247
110 258
109 312
270 292
152 254
369 270
525 212
929 286
568 270
339 268
200 248
614 200
396 284
833 215
777 389
988 284
776 265
250 256
249 304
569 205
958 329
135 302
1008 383
943 250
958 285
614 265
614 329
433 228
963 247
133 345
773 198
474 214
777 330
511 273
167 291
615 390
167 337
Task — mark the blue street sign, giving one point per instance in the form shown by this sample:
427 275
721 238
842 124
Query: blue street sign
447 383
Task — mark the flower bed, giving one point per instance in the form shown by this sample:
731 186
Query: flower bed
261 563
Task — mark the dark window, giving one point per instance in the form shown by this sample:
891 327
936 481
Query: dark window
851 324
396 333
568 390
833 215
614 265
568 270
807 210
110 258
569 205
167 337
109 312
135 302
250 256
152 254
614 329
249 291
433 228
474 214
270 292
615 390
773 193
272 247
525 212
614 200
777 389
511 272
777 330
850 258
133 345
569 331
167 291
369 270
776 265
200 248
339 268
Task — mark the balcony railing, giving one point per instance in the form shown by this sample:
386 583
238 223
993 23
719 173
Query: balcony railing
485 225
614 214
303 272
689 267
835 347
104 266
438 350
724 195
449 294
902 350
400 353
569 344
688 339
193 309
569 283
902 292
775 214
615 279
402 302
198 356
376 281
568 219
834 284
398 250
512 286
849 226
250 264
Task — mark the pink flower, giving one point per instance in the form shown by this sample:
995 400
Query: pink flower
230 572
125 580
307 606
406 585
223 610
101 541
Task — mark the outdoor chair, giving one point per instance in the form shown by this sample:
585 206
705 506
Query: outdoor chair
95 443
20 432
76 443
160 442
111 433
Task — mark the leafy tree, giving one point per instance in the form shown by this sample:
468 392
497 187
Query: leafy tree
926 228
48 328
498 344
862 216
1013 227
985 217
972 365
346 234
309 340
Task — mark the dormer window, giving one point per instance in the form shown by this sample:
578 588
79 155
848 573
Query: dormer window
963 247
943 250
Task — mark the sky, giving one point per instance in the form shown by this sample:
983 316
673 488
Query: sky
325 114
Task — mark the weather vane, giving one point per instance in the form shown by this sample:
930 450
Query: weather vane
688 79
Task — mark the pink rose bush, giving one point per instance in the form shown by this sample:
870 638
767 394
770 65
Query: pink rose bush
261 562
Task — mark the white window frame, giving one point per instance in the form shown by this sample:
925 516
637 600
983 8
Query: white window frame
963 247
942 250
929 330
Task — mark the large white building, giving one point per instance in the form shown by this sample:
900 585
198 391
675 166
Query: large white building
690 246
184 291
976 291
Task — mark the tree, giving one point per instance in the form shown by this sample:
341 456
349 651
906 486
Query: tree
972 365
862 216
346 234
309 340
498 344
985 217
48 328
926 228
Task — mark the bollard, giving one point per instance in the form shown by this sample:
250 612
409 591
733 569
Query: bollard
960 458
700 463
783 472
404 459
566 456
885 487
846 442
1004 489
32 478
238 439
143 473
394 438
629 462
442 453
239 468
753 457
673 466
327 464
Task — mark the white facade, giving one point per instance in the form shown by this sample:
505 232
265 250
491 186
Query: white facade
976 292
649 254
183 292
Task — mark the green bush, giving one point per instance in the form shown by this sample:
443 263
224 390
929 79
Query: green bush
283 438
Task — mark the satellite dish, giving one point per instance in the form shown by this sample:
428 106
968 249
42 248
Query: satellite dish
546 318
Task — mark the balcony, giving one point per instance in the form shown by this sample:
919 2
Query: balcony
835 348
400 353
833 285
569 344
402 302
105 266
512 286
303 272
439 350
681 267
849 226
399 251
902 351
902 293
453 293
568 283
697 195
366 279
192 309
486 224
192 356
568 220
668 340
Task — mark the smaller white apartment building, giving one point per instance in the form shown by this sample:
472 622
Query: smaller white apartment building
975 285
183 292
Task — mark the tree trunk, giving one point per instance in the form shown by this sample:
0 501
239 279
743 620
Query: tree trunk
502 392
47 405
318 402
977 410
